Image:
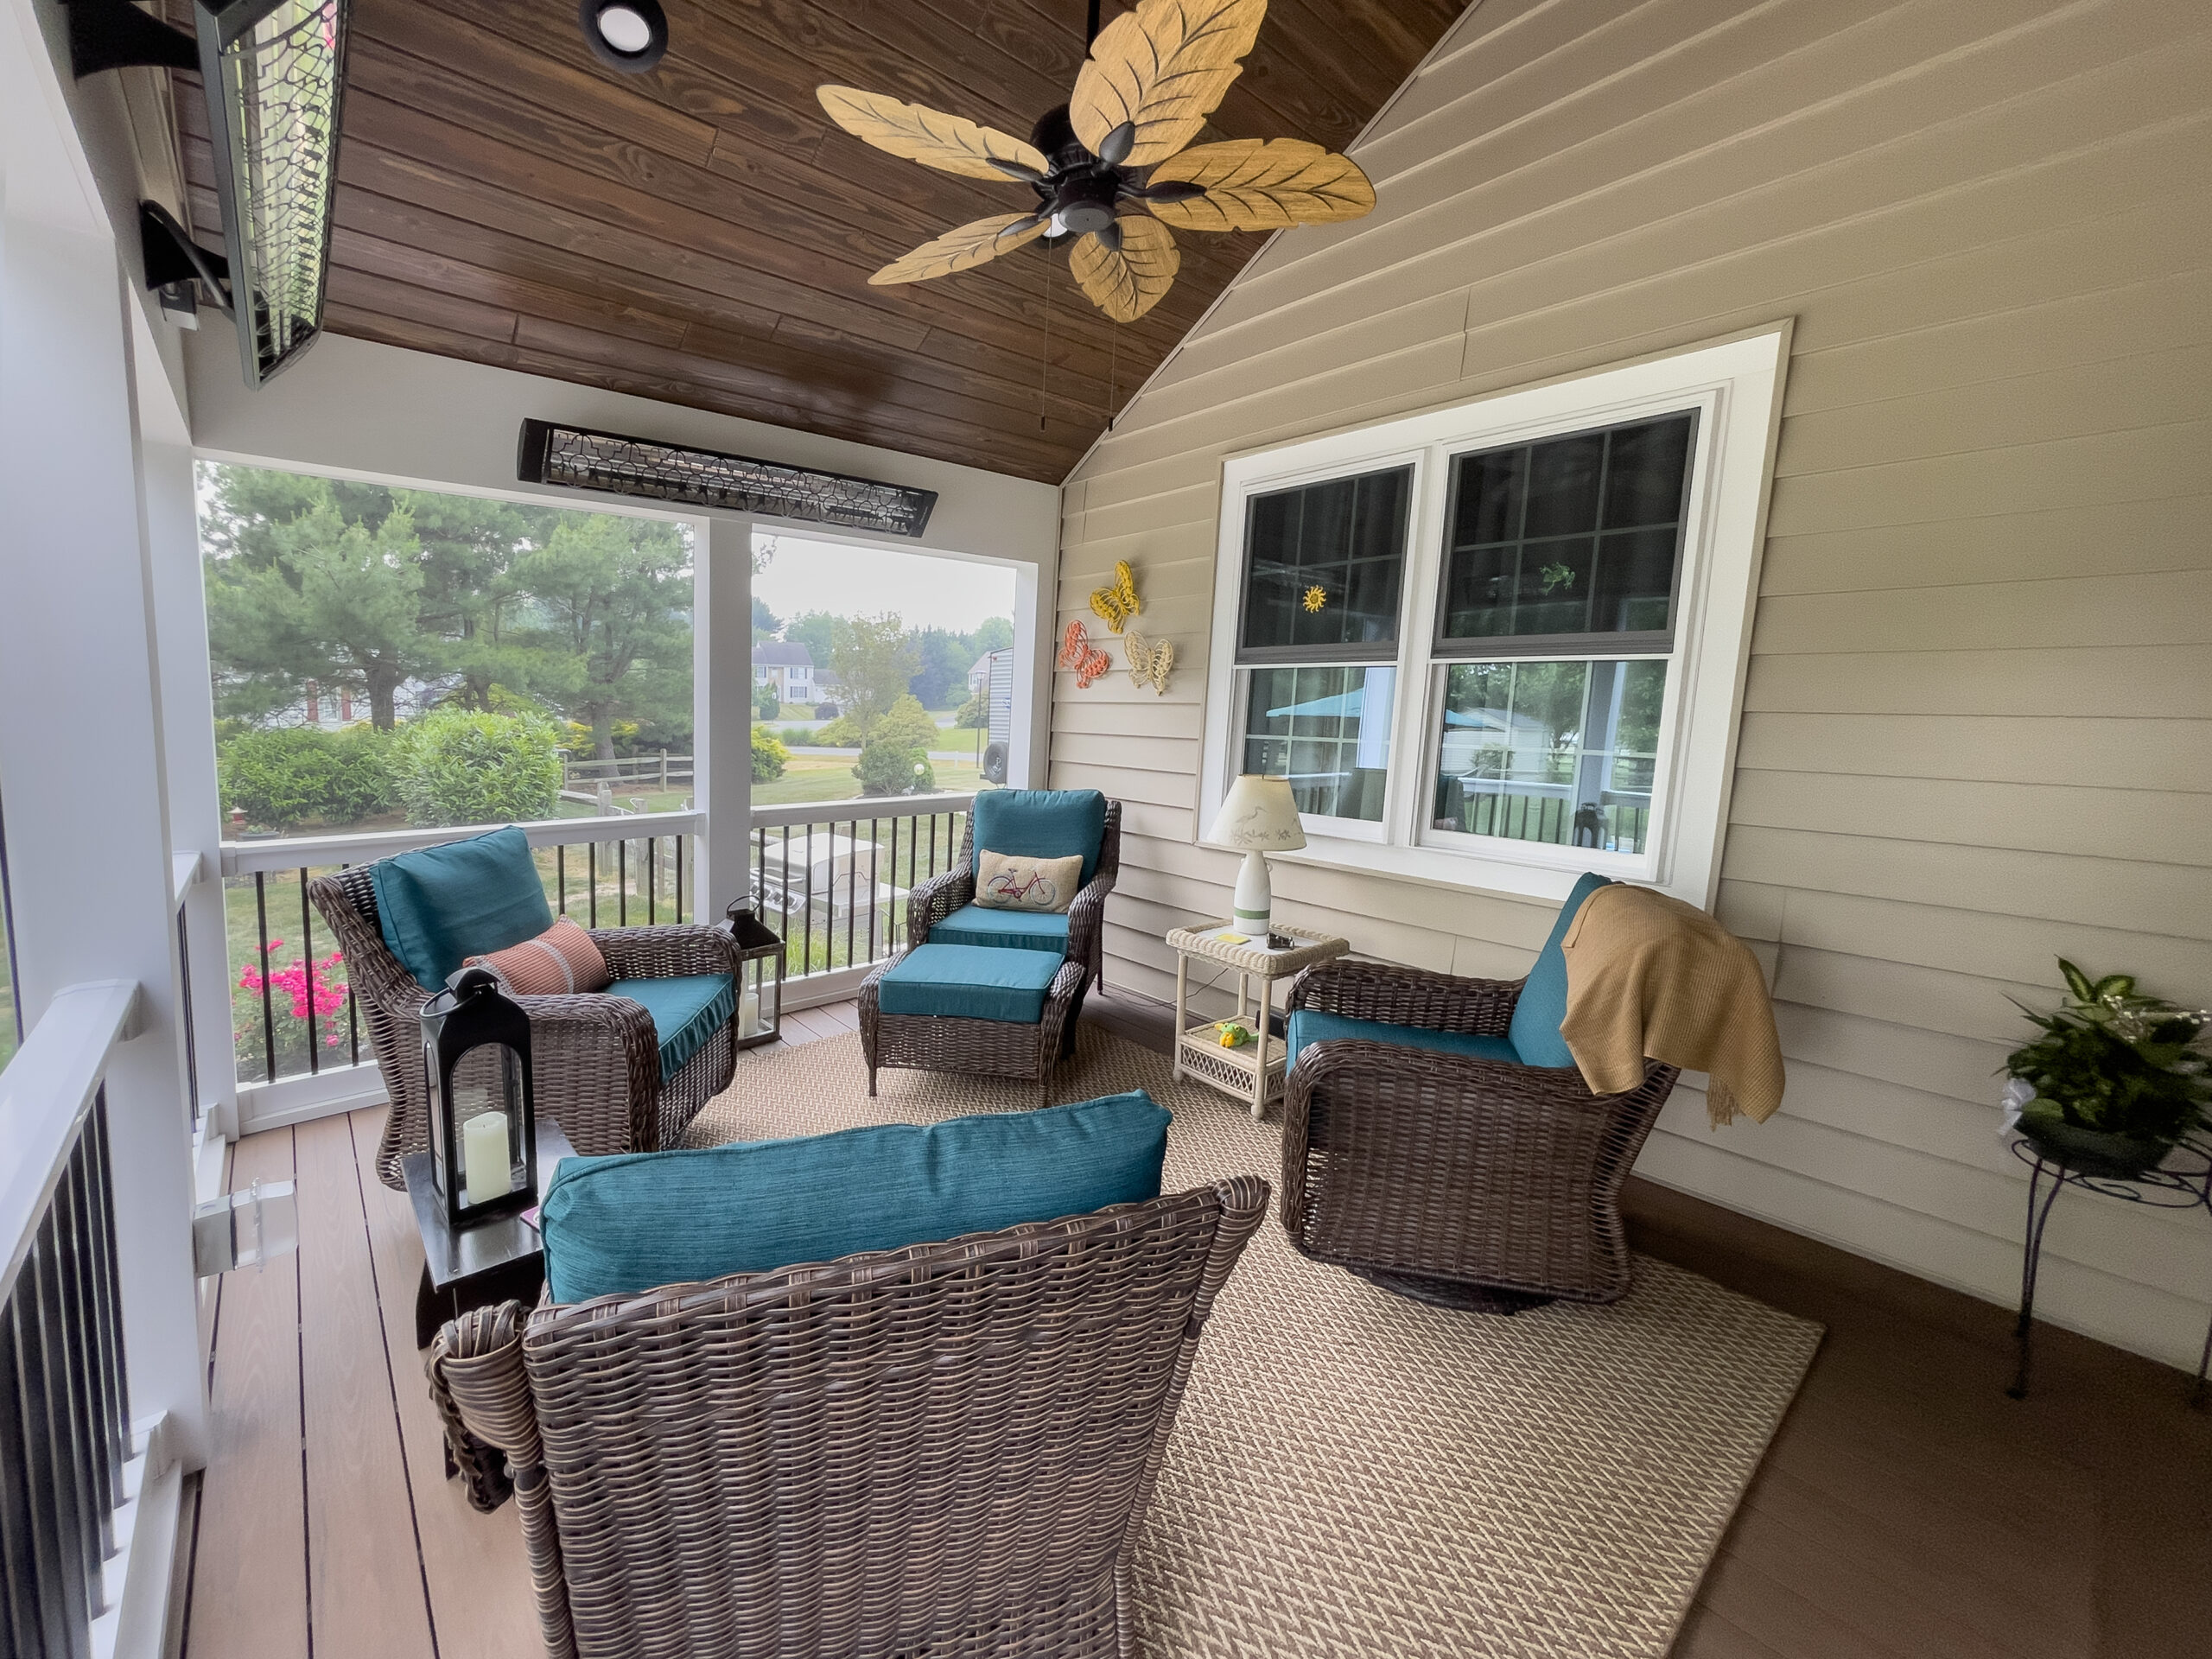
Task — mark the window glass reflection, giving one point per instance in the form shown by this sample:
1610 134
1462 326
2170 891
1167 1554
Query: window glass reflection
1328 731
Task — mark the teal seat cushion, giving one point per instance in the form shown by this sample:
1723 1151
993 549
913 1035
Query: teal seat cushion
1542 1002
1040 824
441 904
1309 1026
686 1010
630 1223
970 982
1004 930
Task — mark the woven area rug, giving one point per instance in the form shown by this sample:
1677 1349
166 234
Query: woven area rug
1355 1474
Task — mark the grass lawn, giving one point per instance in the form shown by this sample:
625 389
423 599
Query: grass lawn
829 777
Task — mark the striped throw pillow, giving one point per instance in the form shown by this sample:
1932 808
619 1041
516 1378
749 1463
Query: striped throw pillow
559 962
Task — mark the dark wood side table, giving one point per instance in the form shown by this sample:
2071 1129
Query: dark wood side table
481 1266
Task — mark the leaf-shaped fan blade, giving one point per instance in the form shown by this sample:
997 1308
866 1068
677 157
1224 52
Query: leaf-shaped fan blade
1253 184
1126 283
950 142
1163 67
962 250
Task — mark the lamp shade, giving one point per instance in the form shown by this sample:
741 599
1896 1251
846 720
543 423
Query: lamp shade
1258 814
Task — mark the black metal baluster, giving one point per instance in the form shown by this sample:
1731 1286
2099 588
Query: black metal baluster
49 1431
852 886
680 840
561 878
591 859
622 882
307 967
20 1612
653 881
268 1008
806 912
184 1009
874 885
36 1592
112 1301
72 1228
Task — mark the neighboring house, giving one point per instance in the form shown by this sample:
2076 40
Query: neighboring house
788 666
980 674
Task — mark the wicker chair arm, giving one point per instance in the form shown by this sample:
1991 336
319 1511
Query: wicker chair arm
1060 1004
595 1062
1087 917
937 898
665 952
478 1379
1399 996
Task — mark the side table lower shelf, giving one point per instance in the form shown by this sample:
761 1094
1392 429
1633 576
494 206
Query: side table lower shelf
1198 1052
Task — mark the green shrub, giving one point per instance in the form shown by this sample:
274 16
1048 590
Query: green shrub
765 703
840 733
892 768
975 714
769 756
797 736
905 721
455 766
299 774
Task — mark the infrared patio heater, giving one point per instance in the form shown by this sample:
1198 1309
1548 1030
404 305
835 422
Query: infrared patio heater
272 74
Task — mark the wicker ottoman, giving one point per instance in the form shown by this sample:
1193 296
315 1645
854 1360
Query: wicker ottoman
966 1008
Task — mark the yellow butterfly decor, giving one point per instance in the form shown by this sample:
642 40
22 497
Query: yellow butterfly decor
1117 602
1149 664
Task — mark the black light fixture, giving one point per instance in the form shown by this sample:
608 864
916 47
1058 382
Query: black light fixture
483 1128
626 35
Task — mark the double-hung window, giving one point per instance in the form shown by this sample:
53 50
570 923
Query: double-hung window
1498 644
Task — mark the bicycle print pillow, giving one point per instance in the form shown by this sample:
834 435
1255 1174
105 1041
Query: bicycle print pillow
1013 881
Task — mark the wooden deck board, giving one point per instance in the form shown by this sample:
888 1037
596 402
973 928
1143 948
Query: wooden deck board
1906 1509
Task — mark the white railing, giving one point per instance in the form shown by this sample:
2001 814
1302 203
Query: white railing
833 878
299 1043
92 1501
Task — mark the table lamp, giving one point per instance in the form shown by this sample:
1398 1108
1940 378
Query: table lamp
1258 817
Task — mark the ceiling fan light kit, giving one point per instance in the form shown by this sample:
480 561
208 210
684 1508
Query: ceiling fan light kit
631 35
1110 168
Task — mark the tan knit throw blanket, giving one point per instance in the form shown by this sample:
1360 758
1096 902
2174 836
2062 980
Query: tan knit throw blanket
1650 976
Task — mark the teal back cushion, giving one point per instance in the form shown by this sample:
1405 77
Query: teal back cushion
441 904
1042 823
626 1223
1542 1002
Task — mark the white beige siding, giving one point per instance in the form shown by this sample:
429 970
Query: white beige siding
1978 726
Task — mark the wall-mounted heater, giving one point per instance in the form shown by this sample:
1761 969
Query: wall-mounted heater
273 73
579 459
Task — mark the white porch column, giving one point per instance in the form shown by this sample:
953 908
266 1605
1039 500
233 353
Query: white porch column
722 700
81 755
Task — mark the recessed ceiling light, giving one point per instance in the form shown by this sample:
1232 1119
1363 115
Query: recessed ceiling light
626 35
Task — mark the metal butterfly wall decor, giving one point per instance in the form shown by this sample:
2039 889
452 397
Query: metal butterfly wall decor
1079 653
1149 664
1110 168
1117 602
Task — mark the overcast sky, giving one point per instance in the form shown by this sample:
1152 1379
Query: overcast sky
862 581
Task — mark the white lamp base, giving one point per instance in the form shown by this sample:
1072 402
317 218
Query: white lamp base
1252 908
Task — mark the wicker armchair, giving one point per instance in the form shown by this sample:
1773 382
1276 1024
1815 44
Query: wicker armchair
942 1451
938 897
595 1058
992 1047
1473 1183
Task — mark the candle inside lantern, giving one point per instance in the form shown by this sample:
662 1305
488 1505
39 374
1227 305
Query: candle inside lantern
748 1013
485 1159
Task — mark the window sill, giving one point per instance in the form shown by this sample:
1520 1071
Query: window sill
1468 872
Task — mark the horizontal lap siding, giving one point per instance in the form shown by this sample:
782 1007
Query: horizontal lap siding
1977 727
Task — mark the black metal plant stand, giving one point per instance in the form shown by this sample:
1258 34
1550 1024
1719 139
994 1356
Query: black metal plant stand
2162 1189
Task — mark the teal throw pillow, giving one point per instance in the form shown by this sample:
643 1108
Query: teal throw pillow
1542 1002
464 898
627 1224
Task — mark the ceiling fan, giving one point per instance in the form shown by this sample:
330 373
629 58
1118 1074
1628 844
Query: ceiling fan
1109 167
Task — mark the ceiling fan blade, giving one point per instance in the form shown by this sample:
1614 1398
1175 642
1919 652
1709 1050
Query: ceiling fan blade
951 144
1127 282
1252 184
962 248
1161 69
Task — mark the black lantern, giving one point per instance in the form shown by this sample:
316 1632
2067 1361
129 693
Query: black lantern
760 1017
483 1135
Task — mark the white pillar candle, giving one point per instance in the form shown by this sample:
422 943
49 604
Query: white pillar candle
484 1156
749 1014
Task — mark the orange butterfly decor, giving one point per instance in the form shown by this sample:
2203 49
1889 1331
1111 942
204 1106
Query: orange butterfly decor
1079 653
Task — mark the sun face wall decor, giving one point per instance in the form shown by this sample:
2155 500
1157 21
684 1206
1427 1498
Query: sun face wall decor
1110 169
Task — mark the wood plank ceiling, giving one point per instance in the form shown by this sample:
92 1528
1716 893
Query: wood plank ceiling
703 235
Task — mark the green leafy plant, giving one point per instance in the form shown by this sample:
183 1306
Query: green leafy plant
769 757
765 703
298 774
840 733
893 768
2114 1062
458 766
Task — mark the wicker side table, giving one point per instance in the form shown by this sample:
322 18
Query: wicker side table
1254 1073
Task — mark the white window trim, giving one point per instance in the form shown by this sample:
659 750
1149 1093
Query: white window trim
1737 385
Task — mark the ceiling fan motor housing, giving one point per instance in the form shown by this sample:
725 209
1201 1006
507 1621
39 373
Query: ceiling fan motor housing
1080 191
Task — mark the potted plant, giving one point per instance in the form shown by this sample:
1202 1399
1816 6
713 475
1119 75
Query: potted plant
2115 1079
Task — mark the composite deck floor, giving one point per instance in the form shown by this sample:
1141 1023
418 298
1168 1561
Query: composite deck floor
1906 1509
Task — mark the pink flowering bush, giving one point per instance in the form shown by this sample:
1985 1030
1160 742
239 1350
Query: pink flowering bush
315 989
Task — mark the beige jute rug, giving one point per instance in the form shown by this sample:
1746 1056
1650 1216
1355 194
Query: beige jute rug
1355 1474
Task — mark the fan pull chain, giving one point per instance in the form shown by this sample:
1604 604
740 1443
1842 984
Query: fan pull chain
1045 368
1113 373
